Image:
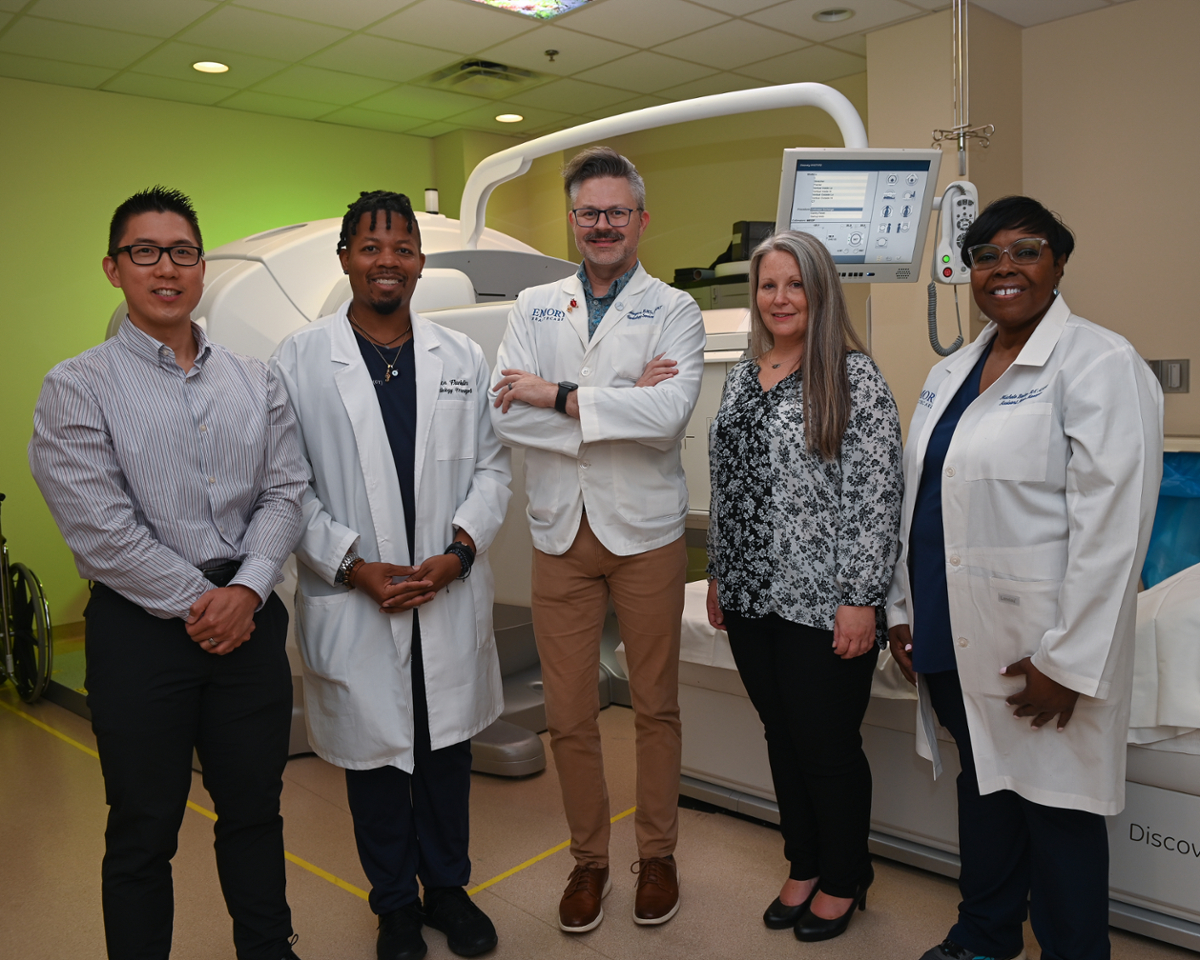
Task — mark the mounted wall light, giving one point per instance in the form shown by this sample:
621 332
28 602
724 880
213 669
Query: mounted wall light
210 66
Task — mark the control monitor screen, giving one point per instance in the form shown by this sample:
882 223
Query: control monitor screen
870 208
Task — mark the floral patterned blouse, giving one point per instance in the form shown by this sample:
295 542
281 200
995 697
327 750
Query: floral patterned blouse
790 533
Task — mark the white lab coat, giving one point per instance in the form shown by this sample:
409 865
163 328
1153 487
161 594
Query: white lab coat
357 680
1048 494
620 459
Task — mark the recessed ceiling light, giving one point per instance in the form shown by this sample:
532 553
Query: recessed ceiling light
538 9
833 15
510 118
210 66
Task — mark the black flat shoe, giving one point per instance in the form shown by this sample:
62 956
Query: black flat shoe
779 916
810 928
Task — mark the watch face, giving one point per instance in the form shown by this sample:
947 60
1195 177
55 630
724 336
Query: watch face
567 384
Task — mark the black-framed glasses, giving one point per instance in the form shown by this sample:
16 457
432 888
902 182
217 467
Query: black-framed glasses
1025 251
616 216
148 254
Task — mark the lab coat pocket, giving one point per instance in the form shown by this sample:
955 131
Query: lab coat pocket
454 429
631 349
1011 444
1020 613
323 635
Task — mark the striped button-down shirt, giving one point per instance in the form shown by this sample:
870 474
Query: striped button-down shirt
152 473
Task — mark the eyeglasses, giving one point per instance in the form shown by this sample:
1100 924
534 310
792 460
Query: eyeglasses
1025 251
616 216
148 254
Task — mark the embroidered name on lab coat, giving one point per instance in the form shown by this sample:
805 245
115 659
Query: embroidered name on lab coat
1011 399
456 386
643 314
548 313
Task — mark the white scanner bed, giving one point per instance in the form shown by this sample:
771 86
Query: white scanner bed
1155 889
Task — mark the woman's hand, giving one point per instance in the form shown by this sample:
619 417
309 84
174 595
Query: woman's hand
1042 697
853 631
900 642
376 581
716 616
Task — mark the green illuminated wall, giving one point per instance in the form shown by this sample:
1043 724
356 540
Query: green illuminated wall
69 156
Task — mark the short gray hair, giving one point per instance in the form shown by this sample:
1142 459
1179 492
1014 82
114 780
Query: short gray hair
602 162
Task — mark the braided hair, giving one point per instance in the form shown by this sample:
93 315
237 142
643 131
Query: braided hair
373 202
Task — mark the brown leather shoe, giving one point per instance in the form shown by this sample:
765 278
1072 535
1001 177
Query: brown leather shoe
657 899
580 908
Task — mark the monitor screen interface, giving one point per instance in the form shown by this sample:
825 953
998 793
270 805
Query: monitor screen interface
864 210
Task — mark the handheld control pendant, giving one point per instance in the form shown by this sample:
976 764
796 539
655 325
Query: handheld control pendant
958 206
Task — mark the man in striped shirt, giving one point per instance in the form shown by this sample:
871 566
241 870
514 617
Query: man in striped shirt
173 469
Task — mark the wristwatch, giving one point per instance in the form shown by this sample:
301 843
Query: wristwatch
564 389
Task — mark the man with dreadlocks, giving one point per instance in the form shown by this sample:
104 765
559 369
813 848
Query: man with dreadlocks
401 667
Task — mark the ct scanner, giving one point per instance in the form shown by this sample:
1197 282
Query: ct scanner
261 288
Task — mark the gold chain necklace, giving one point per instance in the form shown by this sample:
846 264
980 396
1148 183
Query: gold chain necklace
391 364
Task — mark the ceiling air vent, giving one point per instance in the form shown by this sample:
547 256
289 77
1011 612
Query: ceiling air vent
483 78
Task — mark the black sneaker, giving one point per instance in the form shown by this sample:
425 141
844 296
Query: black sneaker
949 950
468 930
400 934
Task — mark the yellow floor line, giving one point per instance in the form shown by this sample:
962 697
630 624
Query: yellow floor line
298 861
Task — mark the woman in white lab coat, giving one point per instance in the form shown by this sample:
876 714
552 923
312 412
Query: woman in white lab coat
1031 476
408 489
806 491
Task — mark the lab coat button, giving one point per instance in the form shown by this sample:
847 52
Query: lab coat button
586 372
949 471
619 305
964 642
955 560
584 464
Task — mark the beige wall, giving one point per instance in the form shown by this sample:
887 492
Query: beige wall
1110 143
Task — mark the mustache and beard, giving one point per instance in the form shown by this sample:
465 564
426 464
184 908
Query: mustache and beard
389 305
613 254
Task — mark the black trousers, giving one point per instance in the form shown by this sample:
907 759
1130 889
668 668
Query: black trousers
155 694
1014 852
410 825
812 703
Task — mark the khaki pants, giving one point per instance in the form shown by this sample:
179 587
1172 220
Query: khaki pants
570 600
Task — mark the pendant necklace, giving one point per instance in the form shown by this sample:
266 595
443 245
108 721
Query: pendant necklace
390 364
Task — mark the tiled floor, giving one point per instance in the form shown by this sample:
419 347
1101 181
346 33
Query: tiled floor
51 839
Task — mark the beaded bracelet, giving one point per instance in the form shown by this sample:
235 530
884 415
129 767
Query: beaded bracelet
466 556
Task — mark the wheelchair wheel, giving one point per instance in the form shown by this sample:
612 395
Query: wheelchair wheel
30 629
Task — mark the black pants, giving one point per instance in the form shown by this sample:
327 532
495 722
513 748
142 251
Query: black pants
155 694
1016 851
410 825
812 703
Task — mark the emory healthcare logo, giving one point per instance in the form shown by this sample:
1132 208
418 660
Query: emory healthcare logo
548 313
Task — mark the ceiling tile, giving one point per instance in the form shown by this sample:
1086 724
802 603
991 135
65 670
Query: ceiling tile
91 46
484 118
812 64
1029 13
374 120
165 88
717 83
175 60
646 72
382 58
4 18
324 86
351 14
575 51
262 34
276 106
52 71
640 23
13 6
419 102
731 44
571 95
856 43
796 17
464 28
735 8
151 17
637 103
433 129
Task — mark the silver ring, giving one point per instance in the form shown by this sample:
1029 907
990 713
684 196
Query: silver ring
510 386
212 642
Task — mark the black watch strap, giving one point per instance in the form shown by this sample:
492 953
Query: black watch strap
564 389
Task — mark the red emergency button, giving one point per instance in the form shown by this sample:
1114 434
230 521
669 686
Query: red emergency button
948 272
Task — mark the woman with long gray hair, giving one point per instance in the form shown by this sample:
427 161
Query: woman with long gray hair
805 458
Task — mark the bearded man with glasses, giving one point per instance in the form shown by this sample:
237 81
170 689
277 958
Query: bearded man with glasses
173 469
597 378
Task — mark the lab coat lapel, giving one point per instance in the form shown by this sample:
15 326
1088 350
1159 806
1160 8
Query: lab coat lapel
616 313
956 372
374 452
1045 337
429 382
577 316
